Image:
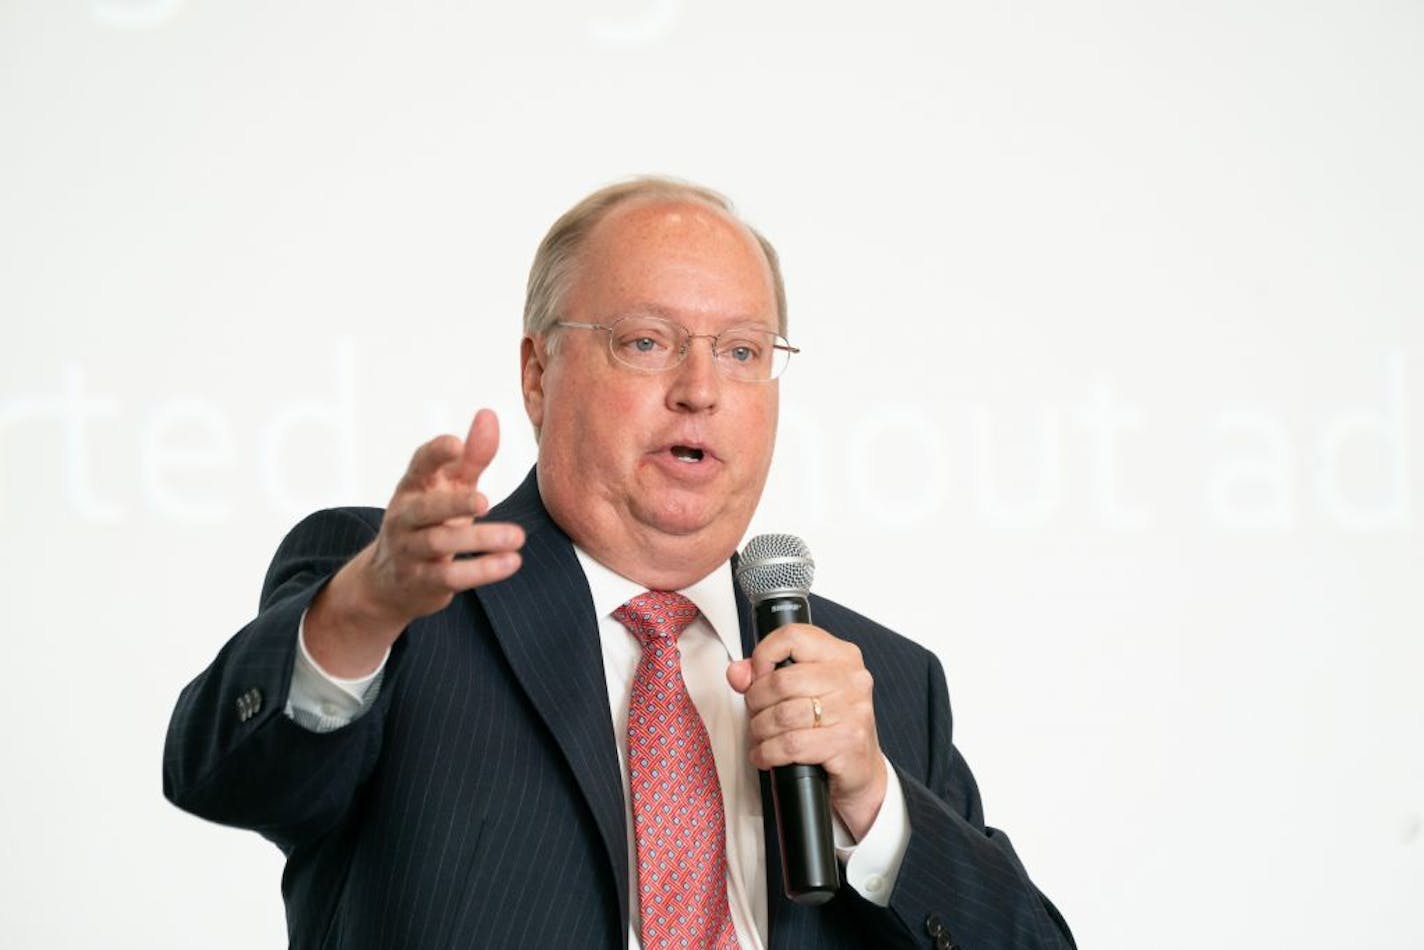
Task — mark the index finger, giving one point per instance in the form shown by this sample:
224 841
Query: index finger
795 641
429 459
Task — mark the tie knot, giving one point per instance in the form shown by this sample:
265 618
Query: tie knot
656 615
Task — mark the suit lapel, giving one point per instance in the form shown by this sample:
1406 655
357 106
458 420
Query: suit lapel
543 617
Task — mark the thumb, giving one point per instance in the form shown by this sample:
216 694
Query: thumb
739 675
480 445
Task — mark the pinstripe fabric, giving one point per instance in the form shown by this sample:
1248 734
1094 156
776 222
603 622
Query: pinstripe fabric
479 802
955 869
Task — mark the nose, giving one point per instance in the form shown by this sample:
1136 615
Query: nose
695 384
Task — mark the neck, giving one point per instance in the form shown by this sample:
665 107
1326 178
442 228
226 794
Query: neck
656 562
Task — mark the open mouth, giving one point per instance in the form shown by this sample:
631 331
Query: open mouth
686 453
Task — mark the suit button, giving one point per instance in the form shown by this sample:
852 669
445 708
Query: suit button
942 942
933 927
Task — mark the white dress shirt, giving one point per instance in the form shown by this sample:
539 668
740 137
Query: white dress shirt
321 702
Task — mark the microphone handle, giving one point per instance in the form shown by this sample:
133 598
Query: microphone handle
799 793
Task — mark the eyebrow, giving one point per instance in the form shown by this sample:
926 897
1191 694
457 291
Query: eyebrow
643 310
656 310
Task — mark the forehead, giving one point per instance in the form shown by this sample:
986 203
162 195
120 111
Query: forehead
684 259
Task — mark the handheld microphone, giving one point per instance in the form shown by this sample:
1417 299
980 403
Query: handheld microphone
775 572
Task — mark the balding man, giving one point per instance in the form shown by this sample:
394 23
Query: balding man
471 749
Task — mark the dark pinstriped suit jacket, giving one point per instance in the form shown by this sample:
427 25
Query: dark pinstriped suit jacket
479 802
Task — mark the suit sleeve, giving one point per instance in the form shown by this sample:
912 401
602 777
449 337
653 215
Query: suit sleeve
232 755
961 884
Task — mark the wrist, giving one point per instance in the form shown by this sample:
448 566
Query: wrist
858 812
348 632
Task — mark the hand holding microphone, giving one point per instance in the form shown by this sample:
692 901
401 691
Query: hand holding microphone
812 719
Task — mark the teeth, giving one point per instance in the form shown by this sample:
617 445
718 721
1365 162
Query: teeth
685 454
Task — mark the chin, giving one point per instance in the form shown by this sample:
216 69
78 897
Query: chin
682 512
679 520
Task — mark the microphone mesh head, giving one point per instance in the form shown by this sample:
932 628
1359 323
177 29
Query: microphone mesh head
773 564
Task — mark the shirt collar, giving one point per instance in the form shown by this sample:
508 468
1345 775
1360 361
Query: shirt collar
713 596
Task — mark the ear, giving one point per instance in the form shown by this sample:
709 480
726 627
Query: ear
533 354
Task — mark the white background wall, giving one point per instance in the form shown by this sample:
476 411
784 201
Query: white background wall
1111 395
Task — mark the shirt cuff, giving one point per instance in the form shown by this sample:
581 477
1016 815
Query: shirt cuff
873 863
321 702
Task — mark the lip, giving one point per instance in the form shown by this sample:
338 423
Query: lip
698 444
663 457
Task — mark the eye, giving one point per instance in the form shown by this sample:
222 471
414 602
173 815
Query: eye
742 349
643 340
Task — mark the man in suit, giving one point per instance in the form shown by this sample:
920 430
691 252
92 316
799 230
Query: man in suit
453 720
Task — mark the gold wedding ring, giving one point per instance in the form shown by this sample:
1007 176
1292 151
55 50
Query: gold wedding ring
815 713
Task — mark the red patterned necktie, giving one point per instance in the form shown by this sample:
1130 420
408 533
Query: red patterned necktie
677 800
